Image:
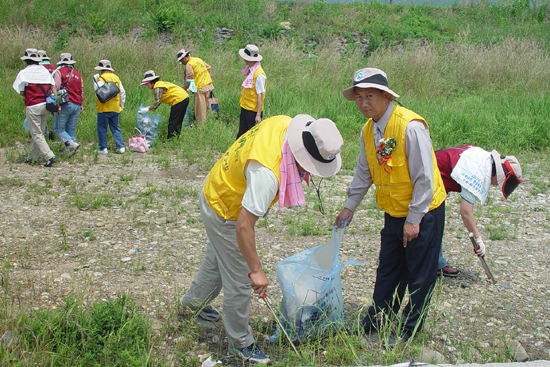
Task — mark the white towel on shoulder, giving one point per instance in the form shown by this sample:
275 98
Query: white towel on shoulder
473 172
32 74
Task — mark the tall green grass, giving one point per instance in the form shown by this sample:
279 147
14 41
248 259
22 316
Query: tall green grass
493 96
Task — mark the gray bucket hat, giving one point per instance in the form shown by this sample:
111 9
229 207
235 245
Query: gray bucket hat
369 78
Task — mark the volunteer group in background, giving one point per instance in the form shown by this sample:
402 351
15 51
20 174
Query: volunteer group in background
40 80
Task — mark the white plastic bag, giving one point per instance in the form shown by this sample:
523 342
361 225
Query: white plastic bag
148 124
310 282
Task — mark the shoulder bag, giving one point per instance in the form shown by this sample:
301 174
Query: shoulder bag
107 91
213 103
62 93
51 101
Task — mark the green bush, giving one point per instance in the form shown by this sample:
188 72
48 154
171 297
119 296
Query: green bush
105 334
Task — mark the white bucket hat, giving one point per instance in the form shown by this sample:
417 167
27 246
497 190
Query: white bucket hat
181 54
31 54
149 76
43 55
66 59
251 53
104 65
315 144
508 172
369 78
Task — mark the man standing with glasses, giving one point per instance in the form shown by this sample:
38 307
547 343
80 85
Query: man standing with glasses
252 89
397 157
471 170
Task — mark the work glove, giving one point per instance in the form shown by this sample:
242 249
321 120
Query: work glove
143 110
480 252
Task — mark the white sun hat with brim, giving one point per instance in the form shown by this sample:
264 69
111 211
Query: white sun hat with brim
43 55
251 53
104 65
66 59
149 76
31 54
508 172
315 144
369 78
181 54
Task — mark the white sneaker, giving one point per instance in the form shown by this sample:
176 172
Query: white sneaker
72 148
120 150
102 151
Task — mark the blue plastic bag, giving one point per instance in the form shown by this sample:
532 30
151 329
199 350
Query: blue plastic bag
148 124
312 304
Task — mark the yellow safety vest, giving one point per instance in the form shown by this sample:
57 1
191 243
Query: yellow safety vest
249 97
226 183
394 188
174 94
112 105
201 74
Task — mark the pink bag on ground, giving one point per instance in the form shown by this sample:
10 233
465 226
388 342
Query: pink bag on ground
138 144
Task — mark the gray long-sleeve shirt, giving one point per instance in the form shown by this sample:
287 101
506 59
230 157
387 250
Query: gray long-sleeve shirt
418 148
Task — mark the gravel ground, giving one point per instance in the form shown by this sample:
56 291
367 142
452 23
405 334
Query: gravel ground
97 227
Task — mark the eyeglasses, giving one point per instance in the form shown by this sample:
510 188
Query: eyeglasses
511 180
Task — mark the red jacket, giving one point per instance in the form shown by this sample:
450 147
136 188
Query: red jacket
72 85
446 161
34 95
50 67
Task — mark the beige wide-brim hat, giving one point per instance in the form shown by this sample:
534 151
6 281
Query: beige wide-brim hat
149 76
369 78
31 54
508 172
43 55
181 54
251 53
104 65
66 59
315 144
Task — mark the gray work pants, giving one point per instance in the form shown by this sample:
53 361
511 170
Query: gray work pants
224 267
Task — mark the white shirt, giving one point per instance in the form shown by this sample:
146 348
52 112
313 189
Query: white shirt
260 84
261 188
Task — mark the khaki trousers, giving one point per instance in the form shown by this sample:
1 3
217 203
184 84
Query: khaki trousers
223 267
37 117
201 102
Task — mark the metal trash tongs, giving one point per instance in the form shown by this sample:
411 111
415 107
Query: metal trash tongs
268 303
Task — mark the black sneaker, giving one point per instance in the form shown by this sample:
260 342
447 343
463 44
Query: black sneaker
252 353
209 314
448 272
50 162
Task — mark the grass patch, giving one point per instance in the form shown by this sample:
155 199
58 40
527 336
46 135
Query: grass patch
105 334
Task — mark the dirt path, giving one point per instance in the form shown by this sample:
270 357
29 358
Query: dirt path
97 227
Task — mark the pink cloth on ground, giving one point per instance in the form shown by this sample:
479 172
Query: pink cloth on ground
291 192
249 72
